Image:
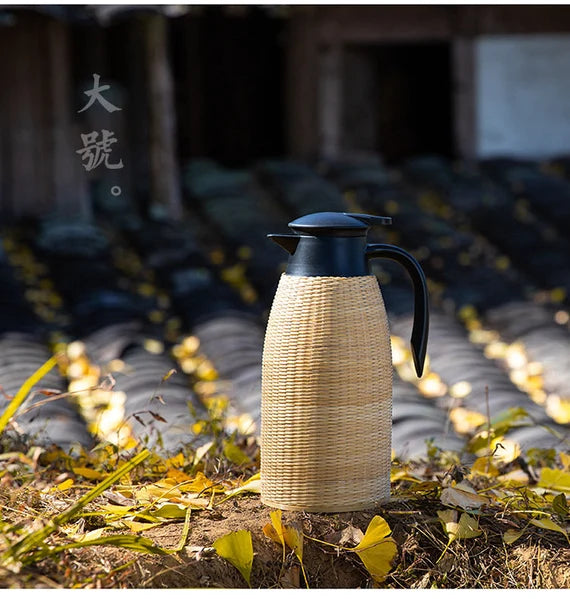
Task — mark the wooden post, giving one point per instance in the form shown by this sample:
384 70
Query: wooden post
67 177
302 84
19 117
164 172
464 97
330 102
137 116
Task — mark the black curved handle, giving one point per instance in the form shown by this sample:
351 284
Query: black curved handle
420 328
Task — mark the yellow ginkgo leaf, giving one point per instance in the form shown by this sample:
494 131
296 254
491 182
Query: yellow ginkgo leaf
176 461
156 492
376 549
65 485
171 511
270 532
251 485
237 548
466 528
286 535
512 535
275 530
200 483
294 539
565 459
555 479
89 473
484 466
140 526
178 475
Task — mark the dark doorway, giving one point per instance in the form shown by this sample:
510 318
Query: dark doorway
229 71
398 100
414 100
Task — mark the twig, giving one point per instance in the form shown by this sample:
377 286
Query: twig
488 463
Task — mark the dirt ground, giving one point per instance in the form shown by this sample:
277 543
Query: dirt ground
534 561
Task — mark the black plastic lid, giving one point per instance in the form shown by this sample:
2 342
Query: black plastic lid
337 224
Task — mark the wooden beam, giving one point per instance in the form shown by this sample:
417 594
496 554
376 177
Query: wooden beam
164 172
373 24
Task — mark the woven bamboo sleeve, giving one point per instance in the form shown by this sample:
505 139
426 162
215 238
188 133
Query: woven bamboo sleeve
326 419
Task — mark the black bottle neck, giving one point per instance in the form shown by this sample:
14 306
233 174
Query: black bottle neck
321 256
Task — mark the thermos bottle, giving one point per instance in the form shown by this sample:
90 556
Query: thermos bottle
326 414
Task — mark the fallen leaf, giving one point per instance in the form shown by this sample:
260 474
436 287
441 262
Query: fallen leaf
89 536
551 478
565 460
290 579
511 535
403 474
117 498
466 528
251 485
294 539
135 526
237 548
235 454
560 505
201 452
65 485
176 461
170 511
286 535
351 534
484 466
201 483
274 530
177 475
376 549
548 524
462 497
155 491
88 473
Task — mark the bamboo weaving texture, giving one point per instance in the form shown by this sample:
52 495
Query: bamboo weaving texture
326 418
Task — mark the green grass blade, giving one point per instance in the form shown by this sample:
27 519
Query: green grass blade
23 549
23 392
185 531
132 542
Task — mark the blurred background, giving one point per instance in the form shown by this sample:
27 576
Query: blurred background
133 229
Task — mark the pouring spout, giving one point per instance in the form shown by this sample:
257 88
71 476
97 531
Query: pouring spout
287 242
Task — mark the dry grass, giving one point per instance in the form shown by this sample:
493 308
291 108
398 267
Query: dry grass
537 560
